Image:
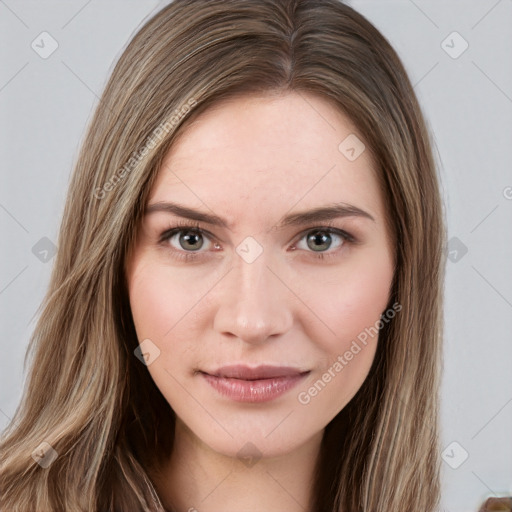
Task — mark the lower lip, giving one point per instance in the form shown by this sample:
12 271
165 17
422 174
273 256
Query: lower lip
262 390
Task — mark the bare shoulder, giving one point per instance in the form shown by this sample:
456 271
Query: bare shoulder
495 504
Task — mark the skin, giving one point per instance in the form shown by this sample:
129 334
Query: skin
251 161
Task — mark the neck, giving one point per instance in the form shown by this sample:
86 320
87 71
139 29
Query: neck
198 479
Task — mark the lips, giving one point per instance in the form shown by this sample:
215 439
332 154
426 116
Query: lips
260 372
260 384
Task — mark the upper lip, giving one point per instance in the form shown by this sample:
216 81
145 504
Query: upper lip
255 373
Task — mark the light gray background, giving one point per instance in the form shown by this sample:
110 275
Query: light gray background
46 103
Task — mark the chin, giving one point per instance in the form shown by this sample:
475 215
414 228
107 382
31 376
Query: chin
250 441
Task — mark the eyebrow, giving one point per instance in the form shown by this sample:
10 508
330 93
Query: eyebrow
323 213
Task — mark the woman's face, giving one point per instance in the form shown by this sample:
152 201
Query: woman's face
258 326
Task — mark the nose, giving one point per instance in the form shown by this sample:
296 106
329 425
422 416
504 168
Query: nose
254 303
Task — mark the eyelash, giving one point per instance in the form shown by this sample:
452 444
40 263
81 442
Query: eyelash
192 256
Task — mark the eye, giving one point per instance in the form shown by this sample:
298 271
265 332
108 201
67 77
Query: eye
187 240
319 240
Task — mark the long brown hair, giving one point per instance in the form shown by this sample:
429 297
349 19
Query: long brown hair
89 406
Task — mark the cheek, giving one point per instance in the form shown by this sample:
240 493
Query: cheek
157 301
168 307
352 308
350 303
148 304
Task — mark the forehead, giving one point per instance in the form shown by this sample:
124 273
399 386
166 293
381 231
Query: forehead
267 154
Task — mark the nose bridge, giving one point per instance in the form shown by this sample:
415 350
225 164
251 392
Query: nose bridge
254 304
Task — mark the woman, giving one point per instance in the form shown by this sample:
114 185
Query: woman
224 360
